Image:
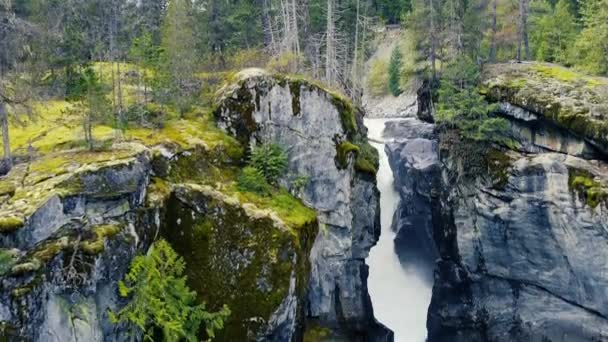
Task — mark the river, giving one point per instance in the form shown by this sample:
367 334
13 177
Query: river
400 298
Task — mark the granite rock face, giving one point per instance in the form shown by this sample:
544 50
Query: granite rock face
413 156
75 244
312 124
524 261
520 233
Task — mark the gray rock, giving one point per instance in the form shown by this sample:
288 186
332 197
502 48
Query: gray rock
306 120
530 258
521 262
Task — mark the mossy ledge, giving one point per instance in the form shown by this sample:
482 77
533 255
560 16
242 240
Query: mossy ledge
571 100
587 187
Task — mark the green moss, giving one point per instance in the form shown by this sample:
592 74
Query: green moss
7 188
158 192
50 250
96 245
291 210
587 187
7 259
558 73
367 160
317 333
295 88
235 256
344 149
21 291
366 156
26 267
10 224
347 115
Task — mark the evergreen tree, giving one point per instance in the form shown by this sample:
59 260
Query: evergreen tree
591 48
394 72
461 106
554 34
161 305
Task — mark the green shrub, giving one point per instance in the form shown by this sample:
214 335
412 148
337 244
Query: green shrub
161 305
287 62
377 81
149 115
299 183
271 160
252 180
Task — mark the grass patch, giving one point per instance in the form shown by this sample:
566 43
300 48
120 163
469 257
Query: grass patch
290 209
563 74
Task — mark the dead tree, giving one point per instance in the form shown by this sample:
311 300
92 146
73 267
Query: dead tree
523 31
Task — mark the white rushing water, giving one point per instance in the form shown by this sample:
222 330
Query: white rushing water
400 298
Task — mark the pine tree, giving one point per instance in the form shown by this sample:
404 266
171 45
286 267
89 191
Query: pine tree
555 34
394 72
160 299
592 45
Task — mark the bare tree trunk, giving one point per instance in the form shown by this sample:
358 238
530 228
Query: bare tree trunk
433 38
6 143
523 32
120 105
354 76
330 43
267 25
494 31
295 30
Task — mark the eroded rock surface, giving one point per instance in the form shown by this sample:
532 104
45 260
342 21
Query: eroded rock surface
520 232
326 142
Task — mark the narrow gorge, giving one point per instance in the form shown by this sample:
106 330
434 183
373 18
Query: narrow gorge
417 234
516 232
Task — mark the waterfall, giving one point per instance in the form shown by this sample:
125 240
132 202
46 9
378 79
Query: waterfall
400 297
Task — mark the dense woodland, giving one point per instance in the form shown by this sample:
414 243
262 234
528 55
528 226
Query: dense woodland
48 47
128 63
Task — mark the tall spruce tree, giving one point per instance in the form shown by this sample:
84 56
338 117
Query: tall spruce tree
394 72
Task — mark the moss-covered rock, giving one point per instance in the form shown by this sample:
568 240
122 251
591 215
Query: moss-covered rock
238 254
10 224
571 100
587 187
246 104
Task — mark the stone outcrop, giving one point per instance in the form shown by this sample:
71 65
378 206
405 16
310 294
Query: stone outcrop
520 231
82 218
72 221
326 143
561 96
413 156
